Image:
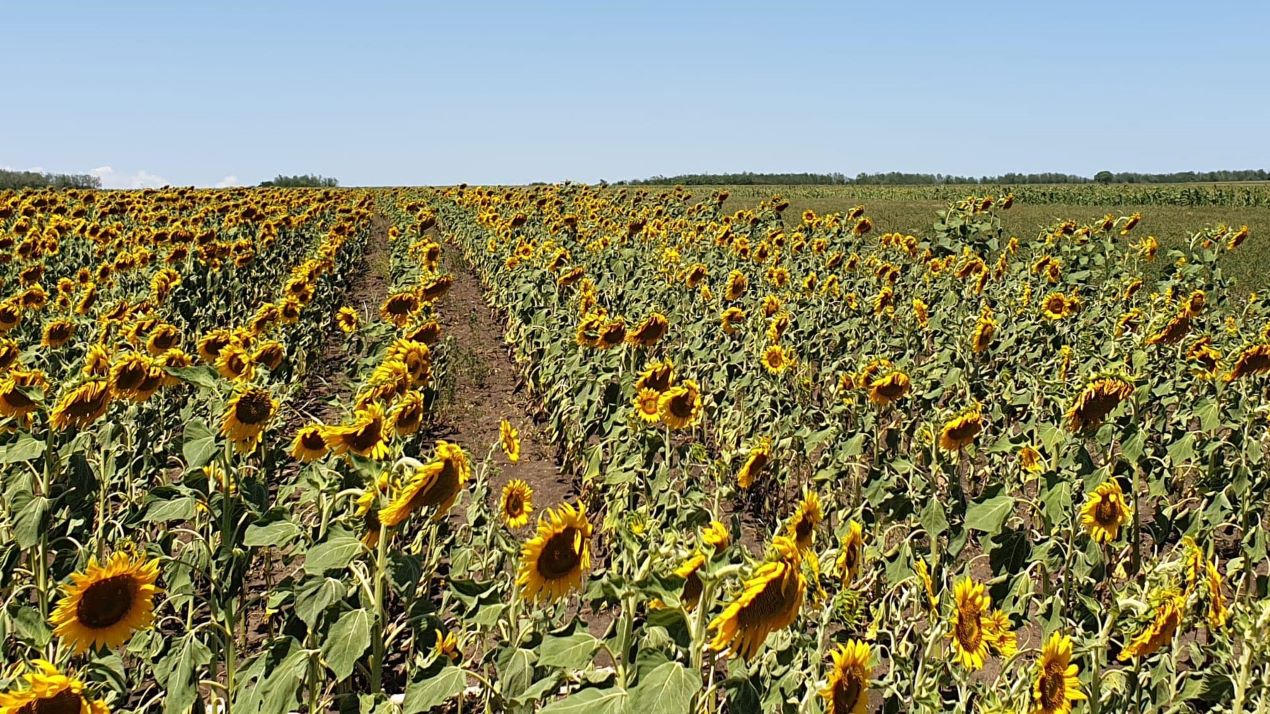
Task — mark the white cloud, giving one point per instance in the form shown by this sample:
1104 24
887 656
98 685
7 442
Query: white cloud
228 182
110 178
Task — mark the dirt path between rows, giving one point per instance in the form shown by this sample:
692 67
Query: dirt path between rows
487 388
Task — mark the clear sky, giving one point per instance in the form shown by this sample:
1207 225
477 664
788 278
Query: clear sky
492 92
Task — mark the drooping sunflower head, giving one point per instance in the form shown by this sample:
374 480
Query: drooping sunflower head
57 333
851 553
985 329
847 691
366 436
555 561
136 377
1252 361
650 331
1030 459
802 525
680 406
612 334
82 406
407 415
434 485
105 604
692 588
759 457
516 503
716 535
398 308
1105 510
889 388
309 445
509 439
657 376
769 600
15 403
736 286
1098 399
961 430
1160 631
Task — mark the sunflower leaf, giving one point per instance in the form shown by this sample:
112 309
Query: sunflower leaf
988 516
592 701
668 689
24 449
347 640
334 554
198 444
430 692
571 653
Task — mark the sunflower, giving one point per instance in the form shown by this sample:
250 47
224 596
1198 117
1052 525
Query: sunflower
398 308
366 436
985 328
554 562
48 691
966 624
658 376
1057 685
407 415
234 362
1216 601
757 460
509 437
732 319
1253 360
270 353
889 388
716 535
802 525
770 600
1168 617
1173 332
10 315
1057 306
650 331
1105 510
433 485
612 334
447 645
309 445
776 359
14 402
427 333
848 689
211 344
163 338
82 406
645 403
175 358
851 553
57 333
691 594
961 430
1096 401
246 417
105 604
516 503
1030 459
435 288
136 377
680 406
922 312
736 286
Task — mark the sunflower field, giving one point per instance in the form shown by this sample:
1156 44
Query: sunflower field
812 465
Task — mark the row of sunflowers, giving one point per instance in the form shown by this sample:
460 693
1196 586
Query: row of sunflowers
824 466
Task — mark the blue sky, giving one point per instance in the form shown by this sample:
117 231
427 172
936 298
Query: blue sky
493 92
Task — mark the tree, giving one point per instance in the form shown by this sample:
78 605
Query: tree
1103 177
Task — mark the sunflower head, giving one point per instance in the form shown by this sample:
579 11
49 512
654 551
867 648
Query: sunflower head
802 525
680 406
851 553
48 691
105 604
961 430
847 691
516 503
509 438
246 417
309 444
658 376
1105 510
776 359
554 562
1057 684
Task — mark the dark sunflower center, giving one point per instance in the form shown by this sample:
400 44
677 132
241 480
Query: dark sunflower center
681 406
88 402
64 702
130 377
846 693
253 408
891 389
312 440
401 305
106 602
16 399
804 527
59 333
969 633
1052 688
767 605
367 436
852 558
1106 513
515 504
558 558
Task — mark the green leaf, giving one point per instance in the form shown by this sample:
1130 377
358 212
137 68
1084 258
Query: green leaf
199 375
334 554
176 509
933 518
29 516
572 652
276 534
315 596
198 444
283 682
432 692
515 671
668 689
591 701
1182 450
988 516
181 684
24 449
347 640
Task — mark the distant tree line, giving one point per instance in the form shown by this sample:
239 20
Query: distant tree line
898 178
36 179
300 181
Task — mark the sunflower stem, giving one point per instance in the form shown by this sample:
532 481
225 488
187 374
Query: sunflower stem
377 638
